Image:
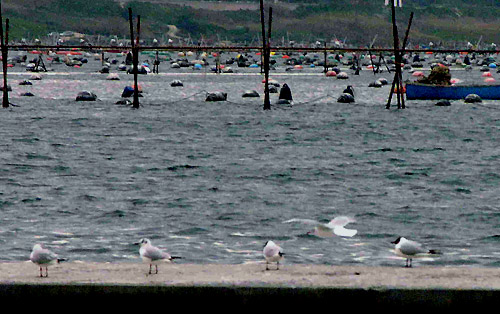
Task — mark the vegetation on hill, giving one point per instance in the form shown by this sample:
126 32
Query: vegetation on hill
356 21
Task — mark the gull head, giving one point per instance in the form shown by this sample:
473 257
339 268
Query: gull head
398 240
143 241
37 247
270 243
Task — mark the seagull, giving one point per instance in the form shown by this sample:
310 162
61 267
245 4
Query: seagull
410 249
335 226
153 255
44 258
272 253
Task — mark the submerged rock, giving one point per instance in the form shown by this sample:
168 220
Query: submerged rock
250 93
285 93
443 103
123 102
376 84
176 83
25 82
472 98
86 96
216 96
346 98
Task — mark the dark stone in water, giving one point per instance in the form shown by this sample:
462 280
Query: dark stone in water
345 98
250 93
27 94
443 103
86 96
216 96
283 102
472 98
285 93
349 90
124 102
176 83
25 82
273 89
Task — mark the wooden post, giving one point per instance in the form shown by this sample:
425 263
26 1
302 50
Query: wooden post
5 53
135 56
326 60
266 51
395 82
399 75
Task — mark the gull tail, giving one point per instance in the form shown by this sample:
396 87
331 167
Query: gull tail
175 257
61 260
434 252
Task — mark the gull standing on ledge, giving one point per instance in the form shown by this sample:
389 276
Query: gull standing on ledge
152 255
44 258
410 249
272 253
335 226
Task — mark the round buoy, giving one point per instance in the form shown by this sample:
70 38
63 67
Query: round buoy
113 77
331 73
342 76
418 74
486 74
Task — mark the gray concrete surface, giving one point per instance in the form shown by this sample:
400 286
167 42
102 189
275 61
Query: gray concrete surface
251 285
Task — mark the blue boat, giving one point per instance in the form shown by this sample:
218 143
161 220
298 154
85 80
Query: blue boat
425 91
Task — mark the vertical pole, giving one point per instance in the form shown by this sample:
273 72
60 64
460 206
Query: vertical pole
326 60
265 52
405 41
396 58
5 52
135 57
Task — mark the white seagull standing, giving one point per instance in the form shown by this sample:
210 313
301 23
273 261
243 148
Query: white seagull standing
152 255
44 258
335 226
272 253
410 249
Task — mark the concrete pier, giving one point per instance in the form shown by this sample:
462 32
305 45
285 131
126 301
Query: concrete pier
254 287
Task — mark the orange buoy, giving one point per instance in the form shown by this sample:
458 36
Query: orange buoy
396 90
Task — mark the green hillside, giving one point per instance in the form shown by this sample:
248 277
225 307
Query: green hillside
356 21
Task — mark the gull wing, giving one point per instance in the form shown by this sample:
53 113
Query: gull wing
412 248
337 225
43 256
304 221
154 253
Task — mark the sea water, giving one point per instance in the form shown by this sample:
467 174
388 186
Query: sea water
213 181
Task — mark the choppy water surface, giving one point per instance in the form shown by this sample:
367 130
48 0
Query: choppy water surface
213 181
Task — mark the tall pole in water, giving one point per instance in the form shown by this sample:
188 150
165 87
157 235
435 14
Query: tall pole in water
265 52
5 53
396 82
135 55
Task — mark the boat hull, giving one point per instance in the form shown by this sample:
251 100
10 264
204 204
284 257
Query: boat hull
424 91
